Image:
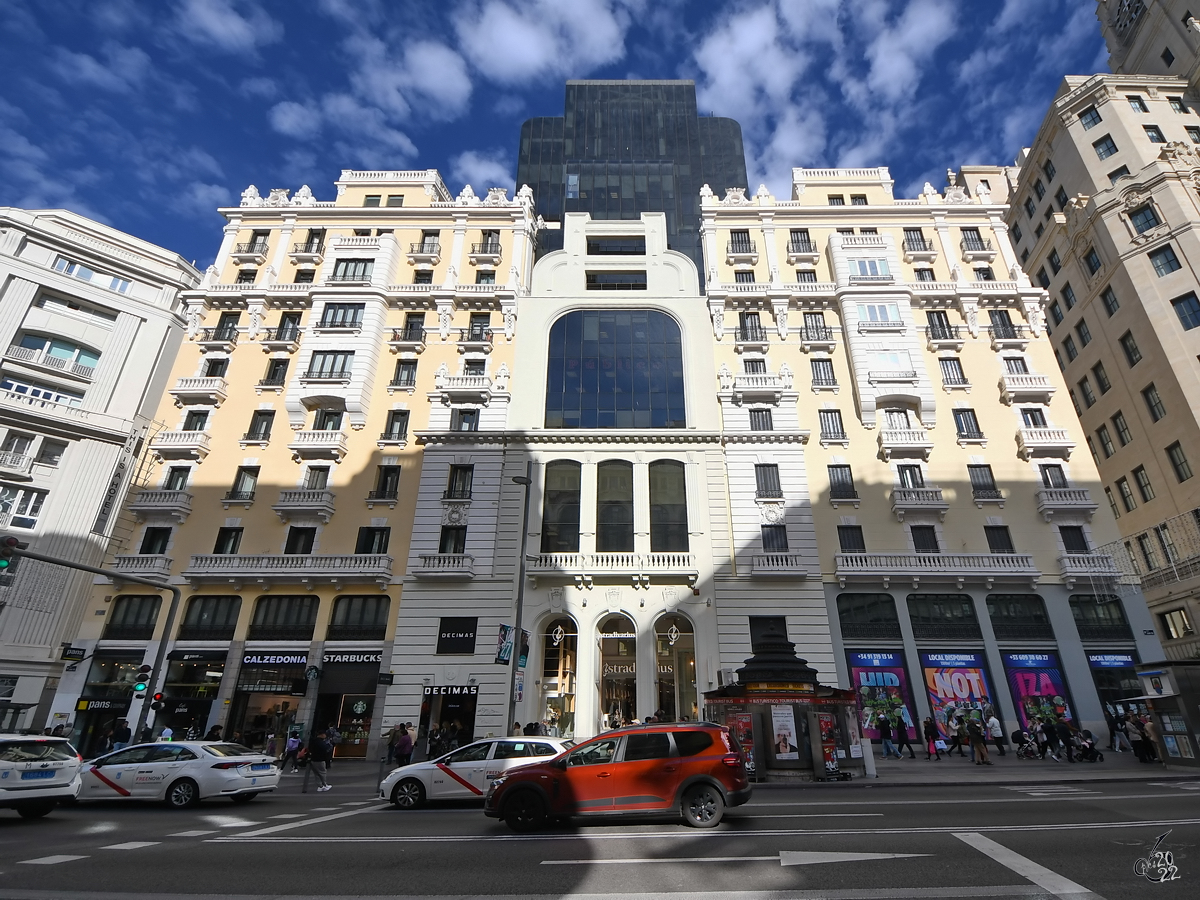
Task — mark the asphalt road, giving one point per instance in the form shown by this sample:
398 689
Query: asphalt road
1075 841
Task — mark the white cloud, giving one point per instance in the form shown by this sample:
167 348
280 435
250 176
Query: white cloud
266 88
124 68
482 169
294 119
429 77
201 199
542 39
235 26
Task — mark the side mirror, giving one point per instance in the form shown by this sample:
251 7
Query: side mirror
561 762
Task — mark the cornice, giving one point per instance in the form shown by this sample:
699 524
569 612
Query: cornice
515 439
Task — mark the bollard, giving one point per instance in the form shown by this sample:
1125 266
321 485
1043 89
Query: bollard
382 764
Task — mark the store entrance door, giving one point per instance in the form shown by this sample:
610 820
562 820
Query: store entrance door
447 719
618 671
675 662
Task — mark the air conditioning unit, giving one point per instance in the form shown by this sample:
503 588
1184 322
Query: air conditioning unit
727 677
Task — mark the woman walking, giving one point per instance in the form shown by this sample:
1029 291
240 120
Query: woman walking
930 733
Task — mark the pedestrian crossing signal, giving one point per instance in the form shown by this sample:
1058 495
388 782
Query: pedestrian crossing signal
142 683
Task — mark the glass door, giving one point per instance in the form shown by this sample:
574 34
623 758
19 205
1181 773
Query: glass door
675 658
618 671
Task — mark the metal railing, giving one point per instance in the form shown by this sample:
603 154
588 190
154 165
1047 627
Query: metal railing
394 435
1022 631
970 436
391 494
833 435
801 245
475 335
939 332
43 358
321 375
976 245
247 247
821 333
488 248
15 462
769 493
240 496
932 631
871 631
918 245
456 494
425 247
1008 332
309 247
986 494
740 247
753 334
413 334
222 333
356 633
843 493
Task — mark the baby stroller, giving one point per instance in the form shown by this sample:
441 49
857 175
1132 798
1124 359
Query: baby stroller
1086 750
1027 747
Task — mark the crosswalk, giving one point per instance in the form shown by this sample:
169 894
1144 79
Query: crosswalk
1049 790
1178 785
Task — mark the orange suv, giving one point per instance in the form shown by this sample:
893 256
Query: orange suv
693 768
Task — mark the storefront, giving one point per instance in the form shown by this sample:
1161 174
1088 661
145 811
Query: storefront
560 647
675 652
1038 687
193 680
346 698
618 671
270 689
881 687
1117 684
447 718
106 699
957 684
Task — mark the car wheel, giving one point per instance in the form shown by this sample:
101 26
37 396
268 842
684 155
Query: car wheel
34 810
703 806
244 798
408 794
183 794
524 811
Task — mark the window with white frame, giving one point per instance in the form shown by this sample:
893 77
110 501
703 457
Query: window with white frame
21 506
83 273
879 313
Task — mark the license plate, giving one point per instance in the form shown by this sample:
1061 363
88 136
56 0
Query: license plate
38 773
260 767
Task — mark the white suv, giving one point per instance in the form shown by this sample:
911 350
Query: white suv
36 773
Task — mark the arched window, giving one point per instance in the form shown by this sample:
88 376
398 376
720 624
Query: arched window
668 507
560 507
615 370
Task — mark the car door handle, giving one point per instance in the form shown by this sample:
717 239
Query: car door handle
603 774
670 768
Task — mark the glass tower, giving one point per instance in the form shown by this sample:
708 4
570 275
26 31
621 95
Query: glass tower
622 148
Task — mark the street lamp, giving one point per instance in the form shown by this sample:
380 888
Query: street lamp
514 660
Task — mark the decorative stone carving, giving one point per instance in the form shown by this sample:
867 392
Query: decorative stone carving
455 513
525 196
193 319
771 512
440 376
256 317
670 597
725 377
931 196
500 382
956 194
718 318
1183 155
984 194
762 193
496 196
785 375
510 323
278 197
445 316
250 197
211 276
781 320
304 197
1033 315
706 195
956 273
466 197
970 312
268 275
613 598
735 196
1134 197
556 604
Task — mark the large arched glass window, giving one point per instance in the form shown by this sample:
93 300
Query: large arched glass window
560 508
615 370
614 506
668 507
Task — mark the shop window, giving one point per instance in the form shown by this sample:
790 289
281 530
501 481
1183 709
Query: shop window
1100 617
210 618
675 672
943 616
132 618
1017 617
560 507
359 618
618 667
559 651
868 617
284 618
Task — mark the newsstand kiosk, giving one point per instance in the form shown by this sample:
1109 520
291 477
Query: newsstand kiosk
791 726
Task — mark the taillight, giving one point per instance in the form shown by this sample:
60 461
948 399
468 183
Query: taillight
733 760
227 765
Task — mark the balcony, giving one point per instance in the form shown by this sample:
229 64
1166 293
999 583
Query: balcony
15 466
284 339
308 254
173 504
919 500
425 253
249 253
741 252
905 442
465 388
180 444
977 250
451 566
244 499
327 376
889 327
958 568
585 568
945 337
765 387
892 376
1068 501
965 438
144 565
289 568
1040 442
919 250
208 391
380 497
318 445
411 338
752 337
221 339
1088 566
834 437
485 254
838 494
478 340
779 565
1025 388
987 495
817 337
955 383
802 251
393 439
311 504
44 360
1009 337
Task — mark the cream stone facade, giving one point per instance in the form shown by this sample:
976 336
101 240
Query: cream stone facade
1151 37
91 319
1106 212
284 480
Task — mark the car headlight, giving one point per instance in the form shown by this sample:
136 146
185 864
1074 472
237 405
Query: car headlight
496 782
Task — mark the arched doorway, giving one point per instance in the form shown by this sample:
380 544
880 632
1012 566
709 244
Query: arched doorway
618 670
675 669
559 649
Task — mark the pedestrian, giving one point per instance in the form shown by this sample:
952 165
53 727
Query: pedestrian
516 730
960 738
393 736
996 732
290 752
320 751
1137 737
404 747
122 735
930 733
884 726
1050 735
146 736
214 733
979 748
166 734
1152 739
1065 737
1121 733
901 732
193 731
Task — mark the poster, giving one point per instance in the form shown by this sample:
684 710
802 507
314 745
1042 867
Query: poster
829 749
742 726
504 645
957 685
783 733
1038 687
881 688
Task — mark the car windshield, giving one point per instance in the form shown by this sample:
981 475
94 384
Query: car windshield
36 751
230 750
472 753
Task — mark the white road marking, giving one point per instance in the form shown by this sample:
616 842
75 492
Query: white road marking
325 808
356 803
190 833
783 857
1058 885
808 816
1051 790
290 825
289 816
974 802
48 860
229 821
132 845
99 828
1182 785
810 858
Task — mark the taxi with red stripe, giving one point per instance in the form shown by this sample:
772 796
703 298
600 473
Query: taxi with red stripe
180 773
465 773
36 773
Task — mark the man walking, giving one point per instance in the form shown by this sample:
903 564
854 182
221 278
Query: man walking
1063 732
404 746
319 753
291 749
978 740
902 737
996 732
885 735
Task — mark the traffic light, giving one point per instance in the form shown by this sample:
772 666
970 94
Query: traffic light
8 547
159 702
142 683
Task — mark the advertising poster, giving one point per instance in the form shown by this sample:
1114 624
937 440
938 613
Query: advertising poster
504 645
783 733
957 685
742 726
829 750
1038 687
881 688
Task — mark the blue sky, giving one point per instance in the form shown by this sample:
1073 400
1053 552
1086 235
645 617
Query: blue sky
148 115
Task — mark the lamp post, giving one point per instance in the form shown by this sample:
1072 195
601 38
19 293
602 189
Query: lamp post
525 481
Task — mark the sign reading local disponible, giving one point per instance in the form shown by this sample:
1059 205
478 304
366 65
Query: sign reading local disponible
1038 687
457 634
1111 660
881 689
957 685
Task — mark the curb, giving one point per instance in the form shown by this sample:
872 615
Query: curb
944 782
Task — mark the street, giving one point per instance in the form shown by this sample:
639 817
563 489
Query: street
1042 839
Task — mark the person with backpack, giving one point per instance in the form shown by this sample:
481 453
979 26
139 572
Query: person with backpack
320 751
291 749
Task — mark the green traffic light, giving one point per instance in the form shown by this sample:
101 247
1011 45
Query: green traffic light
4 563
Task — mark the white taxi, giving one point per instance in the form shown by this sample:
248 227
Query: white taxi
180 773
36 773
465 773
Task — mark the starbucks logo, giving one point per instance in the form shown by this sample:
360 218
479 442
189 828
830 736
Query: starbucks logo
360 707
